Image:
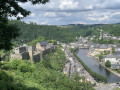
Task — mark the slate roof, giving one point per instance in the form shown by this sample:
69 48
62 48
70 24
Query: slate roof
115 66
80 42
44 43
103 46
113 56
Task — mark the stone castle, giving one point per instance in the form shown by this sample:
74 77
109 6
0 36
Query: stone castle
34 53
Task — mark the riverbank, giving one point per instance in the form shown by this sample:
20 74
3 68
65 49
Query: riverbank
97 77
102 64
73 66
96 67
110 69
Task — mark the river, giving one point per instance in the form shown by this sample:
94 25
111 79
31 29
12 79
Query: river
96 67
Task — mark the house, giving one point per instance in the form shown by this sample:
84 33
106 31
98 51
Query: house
119 38
114 59
96 49
115 38
42 46
103 47
115 66
81 43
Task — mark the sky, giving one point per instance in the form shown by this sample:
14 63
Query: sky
63 12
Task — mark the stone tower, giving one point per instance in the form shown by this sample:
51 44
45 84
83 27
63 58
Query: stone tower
30 51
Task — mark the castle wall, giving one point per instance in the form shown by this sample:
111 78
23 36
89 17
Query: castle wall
19 50
39 47
16 56
22 49
36 58
33 53
25 56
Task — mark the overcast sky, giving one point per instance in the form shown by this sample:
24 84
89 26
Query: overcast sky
62 12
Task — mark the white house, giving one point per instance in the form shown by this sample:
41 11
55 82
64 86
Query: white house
114 59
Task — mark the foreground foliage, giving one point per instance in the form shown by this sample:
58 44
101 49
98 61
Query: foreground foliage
45 75
11 8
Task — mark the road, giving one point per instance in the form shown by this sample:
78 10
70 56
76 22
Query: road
74 66
110 86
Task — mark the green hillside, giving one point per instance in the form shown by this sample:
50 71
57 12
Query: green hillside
45 75
29 32
65 33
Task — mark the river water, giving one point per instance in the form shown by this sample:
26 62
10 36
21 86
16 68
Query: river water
96 67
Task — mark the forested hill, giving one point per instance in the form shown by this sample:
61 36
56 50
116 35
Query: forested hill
93 29
64 33
29 32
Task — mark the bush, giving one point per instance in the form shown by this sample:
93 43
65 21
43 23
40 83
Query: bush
108 63
23 68
5 66
118 70
26 68
7 59
14 64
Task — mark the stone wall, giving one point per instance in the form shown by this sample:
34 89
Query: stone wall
16 56
25 56
19 50
48 50
22 49
39 47
31 53
36 58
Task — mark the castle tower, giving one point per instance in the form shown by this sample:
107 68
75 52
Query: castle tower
41 56
30 51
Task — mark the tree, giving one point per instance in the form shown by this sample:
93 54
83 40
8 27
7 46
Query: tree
108 63
113 50
39 39
0 57
10 8
100 57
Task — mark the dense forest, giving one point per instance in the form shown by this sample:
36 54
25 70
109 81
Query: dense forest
29 32
63 33
45 75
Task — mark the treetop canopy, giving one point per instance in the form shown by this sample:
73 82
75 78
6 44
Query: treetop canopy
9 8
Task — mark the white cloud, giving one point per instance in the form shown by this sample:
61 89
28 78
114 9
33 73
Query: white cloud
89 7
50 14
68 4
44 22
115 13
79 22
111 4
32 15
57 19
74 11
19 15
65 13
98 16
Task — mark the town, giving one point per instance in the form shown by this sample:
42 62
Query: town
107 55
102 53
